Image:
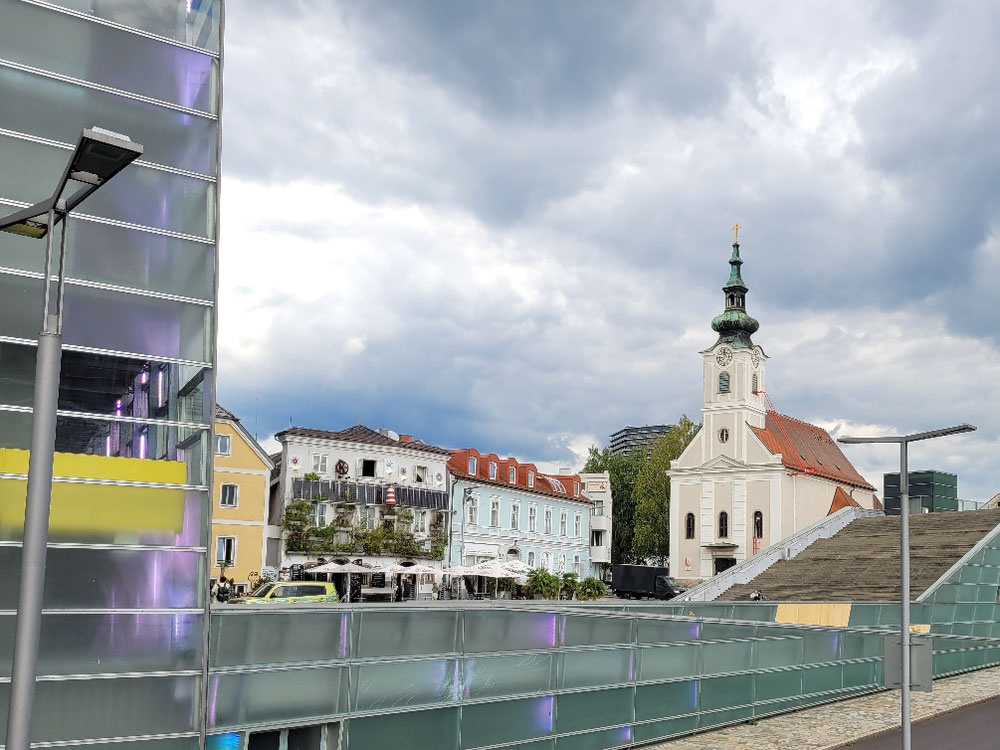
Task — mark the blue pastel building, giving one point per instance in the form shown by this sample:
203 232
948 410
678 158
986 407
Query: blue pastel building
507 510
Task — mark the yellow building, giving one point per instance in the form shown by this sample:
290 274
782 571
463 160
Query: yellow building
239 502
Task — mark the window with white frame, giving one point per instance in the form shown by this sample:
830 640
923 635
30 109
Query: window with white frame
473 509
321 462
562 523
515 516
576 489
229 496
493 469
472 464
512 475
367 467
578 525
225 551
576 565
531 479
532 517
545 561
531 559
562 563
548 520
420 474
318 515
495 511
223 445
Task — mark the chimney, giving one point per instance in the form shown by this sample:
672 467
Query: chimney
406 438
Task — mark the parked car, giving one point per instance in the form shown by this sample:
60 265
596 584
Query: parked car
290 592
637 581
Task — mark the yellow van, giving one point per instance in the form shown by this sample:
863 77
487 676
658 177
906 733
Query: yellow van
290 592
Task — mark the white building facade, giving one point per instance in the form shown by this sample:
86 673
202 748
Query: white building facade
347 476
598 489
751 477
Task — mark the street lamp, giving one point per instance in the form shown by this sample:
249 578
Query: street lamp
904 555
99 156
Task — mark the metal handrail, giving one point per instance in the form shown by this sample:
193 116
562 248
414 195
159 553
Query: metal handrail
786 549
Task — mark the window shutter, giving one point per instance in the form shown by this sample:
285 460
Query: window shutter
360 464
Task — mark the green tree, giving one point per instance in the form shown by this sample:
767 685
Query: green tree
622 468
590 589
297 523
651 493
542 584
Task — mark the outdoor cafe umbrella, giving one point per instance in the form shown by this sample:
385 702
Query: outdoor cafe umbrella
334 567
492 569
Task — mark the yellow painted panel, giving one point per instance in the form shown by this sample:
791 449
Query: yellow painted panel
253 495
92 508
814 613
79 466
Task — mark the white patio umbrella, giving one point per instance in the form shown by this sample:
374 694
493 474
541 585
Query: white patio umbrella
417 569
516 566
342 568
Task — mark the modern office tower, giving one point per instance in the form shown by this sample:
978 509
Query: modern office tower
936 490
124 623
628 439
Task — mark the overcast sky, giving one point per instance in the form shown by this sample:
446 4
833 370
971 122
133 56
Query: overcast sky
505 225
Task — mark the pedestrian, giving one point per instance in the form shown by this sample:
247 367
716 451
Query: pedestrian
222 590
755 595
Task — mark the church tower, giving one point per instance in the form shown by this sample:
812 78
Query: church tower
733 370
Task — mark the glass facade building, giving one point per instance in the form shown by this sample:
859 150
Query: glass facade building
125 618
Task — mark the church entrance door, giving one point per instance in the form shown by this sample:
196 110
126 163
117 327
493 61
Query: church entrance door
723 563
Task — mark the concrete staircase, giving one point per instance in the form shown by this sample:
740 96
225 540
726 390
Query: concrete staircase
861 562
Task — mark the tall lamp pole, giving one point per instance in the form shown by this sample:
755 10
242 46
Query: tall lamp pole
99 156
904 556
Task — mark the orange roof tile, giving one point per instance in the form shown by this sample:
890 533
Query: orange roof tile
808 449
842 500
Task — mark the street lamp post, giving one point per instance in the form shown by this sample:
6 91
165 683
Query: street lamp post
99 156
904 556
466 494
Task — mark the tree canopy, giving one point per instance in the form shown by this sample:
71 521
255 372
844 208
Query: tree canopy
651 494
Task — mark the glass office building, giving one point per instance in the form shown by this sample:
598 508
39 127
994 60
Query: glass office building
124 626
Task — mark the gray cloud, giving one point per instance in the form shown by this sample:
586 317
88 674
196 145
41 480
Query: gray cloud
505 224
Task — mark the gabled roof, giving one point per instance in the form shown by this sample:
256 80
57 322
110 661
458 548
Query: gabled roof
842 500
224 415
561 486
809 446
363 435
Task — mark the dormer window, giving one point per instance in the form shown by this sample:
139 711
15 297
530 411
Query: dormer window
493 469
531 479
723 382
576 489
512 475
472 464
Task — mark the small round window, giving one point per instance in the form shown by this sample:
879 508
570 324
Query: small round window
723 435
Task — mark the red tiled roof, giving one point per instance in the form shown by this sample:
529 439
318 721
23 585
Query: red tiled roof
361 434
555 486
842 500
808 446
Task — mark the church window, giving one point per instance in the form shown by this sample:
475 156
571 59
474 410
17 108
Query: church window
753 384
689 526
732 300
758 524
723 382
723 525
723 435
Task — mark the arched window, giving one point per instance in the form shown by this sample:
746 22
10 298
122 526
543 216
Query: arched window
753 384
531 559
723 382
723 525
731 300
758 524
689 526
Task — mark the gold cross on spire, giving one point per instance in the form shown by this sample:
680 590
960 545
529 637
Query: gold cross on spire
736 233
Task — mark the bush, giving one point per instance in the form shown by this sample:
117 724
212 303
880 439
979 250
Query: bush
569 585
589 589
542 584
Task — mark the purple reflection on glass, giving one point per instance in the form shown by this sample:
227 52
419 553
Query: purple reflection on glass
191 528
213 698
625 734
345 622
456 680
562 630
692 694
694 631
550 629
467 685
543 713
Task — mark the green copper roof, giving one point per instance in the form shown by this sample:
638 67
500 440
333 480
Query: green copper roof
734 326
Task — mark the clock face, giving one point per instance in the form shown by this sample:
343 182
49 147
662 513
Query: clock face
724 356
755 358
